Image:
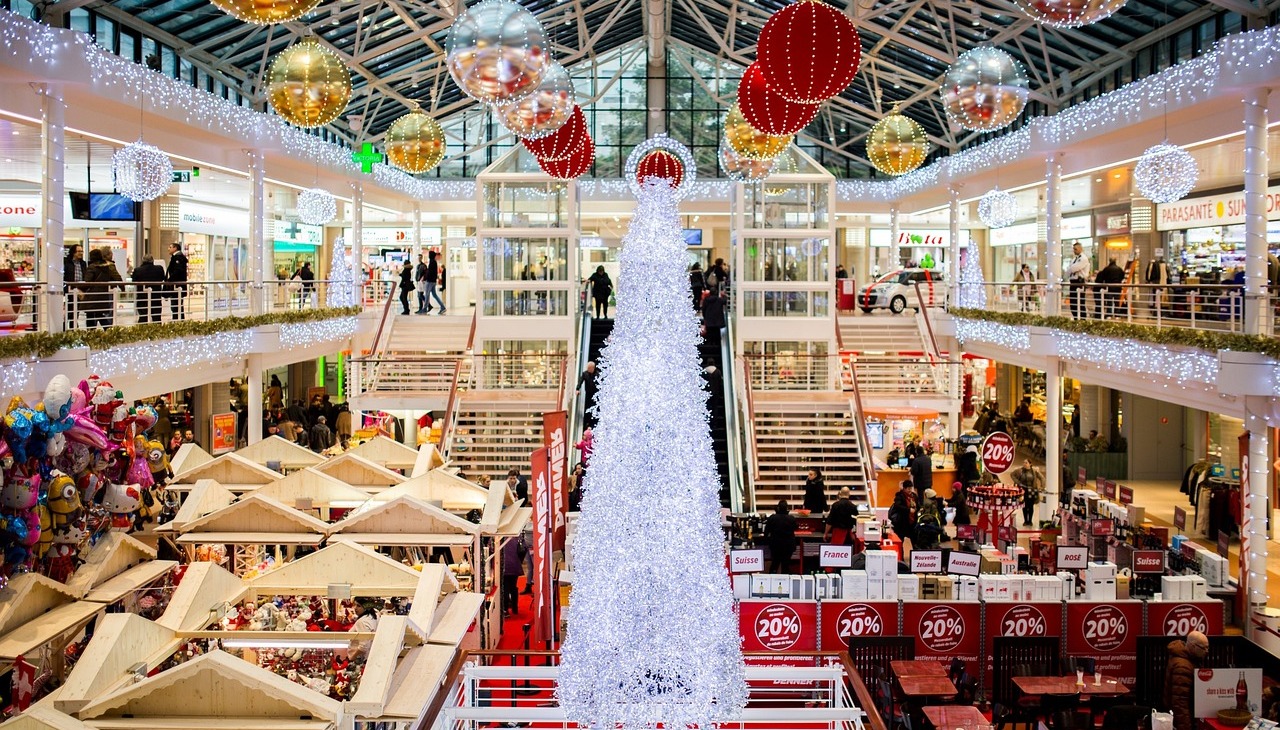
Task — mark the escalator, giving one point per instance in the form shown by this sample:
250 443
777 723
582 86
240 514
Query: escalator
712 355
597 332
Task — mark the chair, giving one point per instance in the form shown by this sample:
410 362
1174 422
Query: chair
1062 712
889 709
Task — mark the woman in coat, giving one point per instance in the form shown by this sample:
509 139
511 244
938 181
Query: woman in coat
601 290
97 298
815 493
780 534
406 286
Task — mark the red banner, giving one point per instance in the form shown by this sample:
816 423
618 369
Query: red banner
945 630
554 439
1107 632
23 683
543 532
844 619
1019 619
778 626
1179 618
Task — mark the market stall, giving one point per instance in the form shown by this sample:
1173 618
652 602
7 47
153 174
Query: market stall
889 430
314 492
232 471
388 453
205 496
39 619
285 455
187 457
456 495
260 532
121 570
360 473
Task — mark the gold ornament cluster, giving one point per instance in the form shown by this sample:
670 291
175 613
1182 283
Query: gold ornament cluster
308 85
897 144
415 142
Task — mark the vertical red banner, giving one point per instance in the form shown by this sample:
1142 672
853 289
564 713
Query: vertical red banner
543 532
555 424
1018 619
1108 633
1246 509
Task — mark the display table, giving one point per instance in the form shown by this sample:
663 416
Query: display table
955 717
917 668
1109 687
919 687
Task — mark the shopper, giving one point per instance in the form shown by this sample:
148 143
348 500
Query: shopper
98 299
586 445
921 467
275 394
960 503
717 277
697 284
1185 657
512 568
518 485
420 277
342 421
1077 275
406 286
902 511
967 466
321 436
1068 483
177 277
431 277
163 430
306 277
575 486
74 271
840 272
147 296
815 492
587 385
1026 279
840 520
780 534
367 623
1111 277
712 315
601 290
1032 481
298 414
928 528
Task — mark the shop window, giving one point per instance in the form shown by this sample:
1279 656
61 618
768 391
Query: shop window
785 304
79 19
1183 48
105 33
128 46
168 62
525 259
786 259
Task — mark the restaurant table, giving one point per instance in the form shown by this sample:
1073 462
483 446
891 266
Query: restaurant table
1109 687
917 687
917 668
955 717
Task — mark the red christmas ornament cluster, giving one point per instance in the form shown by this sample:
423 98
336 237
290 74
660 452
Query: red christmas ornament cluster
661 164
808 53
567 152
767 111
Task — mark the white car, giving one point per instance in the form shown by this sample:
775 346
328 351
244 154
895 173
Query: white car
896 290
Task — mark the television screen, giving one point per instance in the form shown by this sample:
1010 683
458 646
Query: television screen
111 207
693 236
79 206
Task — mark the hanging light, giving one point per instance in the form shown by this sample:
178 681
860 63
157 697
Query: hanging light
897 144
984 89
1166 173
998 208
141 171
316 207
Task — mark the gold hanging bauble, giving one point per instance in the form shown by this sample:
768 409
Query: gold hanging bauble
308 85
749 142
266 12
415 142
897 145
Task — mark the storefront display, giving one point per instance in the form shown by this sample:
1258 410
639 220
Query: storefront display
1205 236
917 248
1022 243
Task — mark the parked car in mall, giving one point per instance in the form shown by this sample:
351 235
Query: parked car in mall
896 290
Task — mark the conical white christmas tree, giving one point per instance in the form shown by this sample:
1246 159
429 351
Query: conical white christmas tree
652 633
973 290
341 291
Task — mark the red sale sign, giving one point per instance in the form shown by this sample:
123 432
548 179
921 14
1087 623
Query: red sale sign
945 630
1179 618
842 620
997 452
778 625
1021 620
1107 632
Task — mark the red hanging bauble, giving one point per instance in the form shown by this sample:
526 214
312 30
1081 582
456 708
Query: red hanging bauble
562 143
576 164
809 52
663 164
766 111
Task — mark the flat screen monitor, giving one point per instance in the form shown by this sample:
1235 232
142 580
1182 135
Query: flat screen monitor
693 236
102 207
902 462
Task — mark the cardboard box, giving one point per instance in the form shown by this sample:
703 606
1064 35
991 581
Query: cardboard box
946 588
1068 585
1122 587
742 585
890 589
966 588
875 589
881 564
1101 590
1199 588
928 587
1213 568
1171 587
908 587
853 585
1136 515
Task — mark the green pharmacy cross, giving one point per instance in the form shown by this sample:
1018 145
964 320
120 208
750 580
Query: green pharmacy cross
367 157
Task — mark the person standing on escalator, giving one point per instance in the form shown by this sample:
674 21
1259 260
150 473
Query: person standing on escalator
587 383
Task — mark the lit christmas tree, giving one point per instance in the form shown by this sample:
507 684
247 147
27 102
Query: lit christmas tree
652 633
342 286
973 292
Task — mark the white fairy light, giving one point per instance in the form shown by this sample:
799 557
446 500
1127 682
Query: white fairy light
1184 366
141 171
1010 337
146 358
1165 173
15 376
998 208
304 334
972 293
666 144
652 632
316 207
341 291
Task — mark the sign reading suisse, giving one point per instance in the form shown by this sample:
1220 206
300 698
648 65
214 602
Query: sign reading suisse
746 561
1148 561
997 452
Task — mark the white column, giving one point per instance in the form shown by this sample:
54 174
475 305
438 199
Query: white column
1053 237
1255 213
417 249
254 406
1253 530
953 252
895 248
257 254
1052 439
357 241
52 192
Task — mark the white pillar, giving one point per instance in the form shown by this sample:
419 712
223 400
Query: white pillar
895 248
1053 237
254 406
1053 485
953 252
417 247
52 191
257 254
1253 530
1255 213
357 242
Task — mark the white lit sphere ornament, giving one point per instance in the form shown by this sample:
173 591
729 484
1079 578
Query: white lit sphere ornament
496 51
997 208
542 112
739 168
308 85
661 143
415 142
897 145
1068 13
1166 173
266 12
141 171
316 207
984 89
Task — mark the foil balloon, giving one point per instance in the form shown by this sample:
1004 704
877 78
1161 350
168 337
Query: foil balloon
985 89
308 85
497 51
543 111
749 142
1068 13
264 12
415 142
737 167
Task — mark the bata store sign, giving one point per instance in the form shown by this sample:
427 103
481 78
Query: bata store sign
844 620
948 630
1213 210
1107 633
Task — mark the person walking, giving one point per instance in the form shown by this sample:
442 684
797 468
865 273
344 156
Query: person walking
98 299
1113 277
275 394
928 528
406 286
697 284
780 535
307 279
420 277
712 314
176 275
512 568
431 277
1025 279
601 290
921 467
150 278
74 271
1185 658
815 492
839 528
1077 275
902 511
587 384
1030 479
960 503
321 436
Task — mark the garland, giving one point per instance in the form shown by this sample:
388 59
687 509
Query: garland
46 344
1181 336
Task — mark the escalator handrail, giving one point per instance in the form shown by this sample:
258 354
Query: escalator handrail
736 501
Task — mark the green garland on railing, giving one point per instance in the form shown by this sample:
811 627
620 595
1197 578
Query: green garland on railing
44 344
1182 336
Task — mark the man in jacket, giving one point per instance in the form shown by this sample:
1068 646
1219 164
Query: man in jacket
74 271
420 278
150 278
321 436
1185 657
99 302
1077 275
1113 276
713 314
840 519
587 384
432 277
513 554
177 278
406 286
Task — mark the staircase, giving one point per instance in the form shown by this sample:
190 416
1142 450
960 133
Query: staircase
418 360
792 436
428 335
890 356
710 354
489 438
876 335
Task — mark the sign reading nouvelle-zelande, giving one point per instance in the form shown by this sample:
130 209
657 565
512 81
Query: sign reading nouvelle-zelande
997 452
926 561
836 556
746 561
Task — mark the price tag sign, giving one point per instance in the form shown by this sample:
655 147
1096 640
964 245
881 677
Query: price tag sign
1148 561
1100 485
1081 478
1224 543
1108 489
1072 558
1126 495
964 563
926 561
836 556
1179 518
1102 528
966 532
998 451
746 561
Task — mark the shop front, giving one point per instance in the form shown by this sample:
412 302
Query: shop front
1022 243
889 430
923 248
1205 236
95 221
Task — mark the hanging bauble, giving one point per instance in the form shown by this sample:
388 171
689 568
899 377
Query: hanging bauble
141 171
265 12
496 51
316 207
750 142
809 52
783 164
562 143
635 168
576 164
897 145
663 164
1068 13
415 142
737 167
1166 173
768 112
542 112
308 85
997 208
984 89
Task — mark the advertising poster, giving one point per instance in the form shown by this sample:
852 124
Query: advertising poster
779 627
540 496
945 630
1179 618
1108 633
554 426
224 433
842 620
1019 619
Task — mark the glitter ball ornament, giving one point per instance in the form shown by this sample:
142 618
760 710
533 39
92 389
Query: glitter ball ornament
897 145
737 167
415 142
316 207
750 142
562 143
809 52
997 208
767 111
265 12
141 171
1166 173
574 165
1068 13
542 112
660 164
308 85
984 89
496 51
660 143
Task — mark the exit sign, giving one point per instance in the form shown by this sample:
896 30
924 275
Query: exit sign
182 176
